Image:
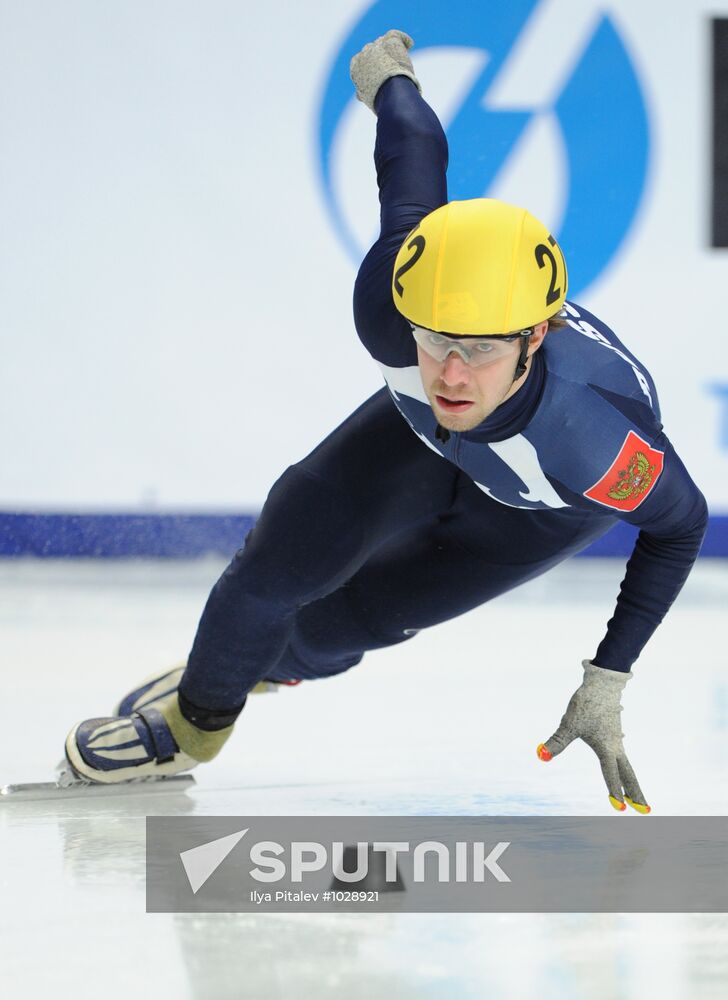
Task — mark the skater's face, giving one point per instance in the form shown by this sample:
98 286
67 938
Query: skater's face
462 396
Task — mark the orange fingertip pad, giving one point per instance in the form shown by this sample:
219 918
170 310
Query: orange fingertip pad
542 752
638 806
619 806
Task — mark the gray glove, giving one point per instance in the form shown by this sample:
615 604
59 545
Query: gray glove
593 716
384 57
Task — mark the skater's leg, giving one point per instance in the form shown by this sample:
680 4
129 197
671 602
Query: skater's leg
368 482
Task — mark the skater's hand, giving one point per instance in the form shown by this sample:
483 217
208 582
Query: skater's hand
593 716
384 57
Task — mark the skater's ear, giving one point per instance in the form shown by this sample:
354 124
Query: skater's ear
536 339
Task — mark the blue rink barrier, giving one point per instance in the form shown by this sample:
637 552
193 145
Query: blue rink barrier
109 536
184 536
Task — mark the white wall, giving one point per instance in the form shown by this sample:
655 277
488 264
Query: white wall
175 303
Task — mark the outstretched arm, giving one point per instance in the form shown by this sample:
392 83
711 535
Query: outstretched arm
672 526
672 523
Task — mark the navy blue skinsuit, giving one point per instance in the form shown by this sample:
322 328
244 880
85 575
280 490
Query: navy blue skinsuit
385 529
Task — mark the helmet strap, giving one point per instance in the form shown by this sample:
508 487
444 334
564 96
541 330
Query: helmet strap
522 358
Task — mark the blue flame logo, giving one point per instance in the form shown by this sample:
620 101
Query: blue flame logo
600 111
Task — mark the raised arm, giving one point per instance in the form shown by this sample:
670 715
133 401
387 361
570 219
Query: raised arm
410 156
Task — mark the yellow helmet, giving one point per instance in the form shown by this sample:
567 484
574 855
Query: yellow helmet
479 267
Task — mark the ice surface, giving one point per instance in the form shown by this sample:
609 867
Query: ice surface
445 724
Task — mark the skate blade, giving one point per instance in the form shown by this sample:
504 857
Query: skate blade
68 786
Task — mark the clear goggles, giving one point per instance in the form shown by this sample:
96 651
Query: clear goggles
475 351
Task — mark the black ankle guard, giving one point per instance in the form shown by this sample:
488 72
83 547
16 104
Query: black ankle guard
207 719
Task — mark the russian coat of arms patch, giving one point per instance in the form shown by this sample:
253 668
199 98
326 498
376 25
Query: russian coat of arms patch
630 477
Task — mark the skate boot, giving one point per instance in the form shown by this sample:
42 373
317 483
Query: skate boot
153 741
150 691
161 685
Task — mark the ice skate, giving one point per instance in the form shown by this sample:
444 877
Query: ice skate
136 743
127 747
133 754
